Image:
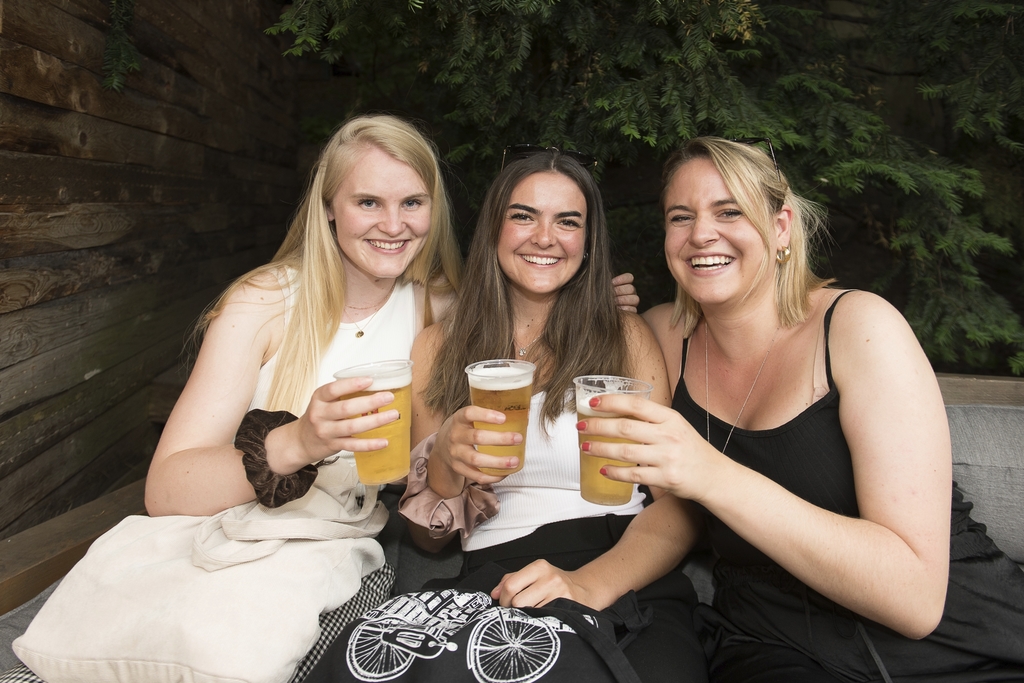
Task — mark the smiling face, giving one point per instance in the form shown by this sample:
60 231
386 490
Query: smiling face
714 252
381 213
543 234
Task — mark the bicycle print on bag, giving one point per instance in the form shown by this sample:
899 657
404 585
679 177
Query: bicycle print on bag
506 645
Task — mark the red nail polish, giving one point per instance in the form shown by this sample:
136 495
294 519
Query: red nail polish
604 471
595 402
581 425
585 446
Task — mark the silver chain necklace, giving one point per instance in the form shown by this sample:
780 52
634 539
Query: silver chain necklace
523 349
707 391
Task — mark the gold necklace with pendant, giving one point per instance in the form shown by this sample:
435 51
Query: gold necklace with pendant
360 333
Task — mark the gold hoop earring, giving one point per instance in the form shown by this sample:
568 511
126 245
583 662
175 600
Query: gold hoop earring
783 255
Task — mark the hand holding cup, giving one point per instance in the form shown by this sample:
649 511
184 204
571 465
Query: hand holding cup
390 463
594 486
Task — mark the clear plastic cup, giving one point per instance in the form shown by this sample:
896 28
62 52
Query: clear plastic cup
594 486
392 462
505 385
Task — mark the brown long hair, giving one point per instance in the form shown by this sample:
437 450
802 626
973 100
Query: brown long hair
584 333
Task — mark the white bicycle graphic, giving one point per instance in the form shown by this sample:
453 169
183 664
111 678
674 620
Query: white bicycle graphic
505 646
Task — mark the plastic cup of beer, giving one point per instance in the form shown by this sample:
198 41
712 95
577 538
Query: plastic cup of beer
504 385
392 462
594 486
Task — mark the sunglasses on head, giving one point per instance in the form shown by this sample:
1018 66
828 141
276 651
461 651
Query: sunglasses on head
771 150
524 150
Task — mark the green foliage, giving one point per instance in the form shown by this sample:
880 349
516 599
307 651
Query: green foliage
120 55
625 80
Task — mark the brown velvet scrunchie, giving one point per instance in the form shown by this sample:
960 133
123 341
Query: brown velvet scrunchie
272 489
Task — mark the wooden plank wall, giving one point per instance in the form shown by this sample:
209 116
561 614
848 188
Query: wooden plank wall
122 215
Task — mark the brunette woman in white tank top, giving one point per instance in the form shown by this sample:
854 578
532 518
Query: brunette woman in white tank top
537 288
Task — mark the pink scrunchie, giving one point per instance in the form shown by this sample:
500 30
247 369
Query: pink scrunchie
441 516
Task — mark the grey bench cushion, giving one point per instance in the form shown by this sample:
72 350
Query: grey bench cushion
988 464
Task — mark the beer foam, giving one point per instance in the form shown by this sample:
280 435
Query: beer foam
584 410
390 382
384 378
499 378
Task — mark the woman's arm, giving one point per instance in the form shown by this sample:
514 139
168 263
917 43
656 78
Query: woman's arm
654 543
670 340
454 458
890 564
453 461
196 469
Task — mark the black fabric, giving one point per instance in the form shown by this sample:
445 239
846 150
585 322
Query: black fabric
459 635
667 650
808 456
765 625
577 541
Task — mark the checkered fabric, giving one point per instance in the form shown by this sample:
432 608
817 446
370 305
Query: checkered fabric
19 674
376 589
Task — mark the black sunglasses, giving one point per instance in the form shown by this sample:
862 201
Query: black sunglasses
524 150
771 150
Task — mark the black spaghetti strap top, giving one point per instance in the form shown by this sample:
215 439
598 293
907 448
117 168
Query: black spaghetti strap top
808 456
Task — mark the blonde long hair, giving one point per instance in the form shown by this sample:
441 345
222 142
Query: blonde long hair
760 190
311 251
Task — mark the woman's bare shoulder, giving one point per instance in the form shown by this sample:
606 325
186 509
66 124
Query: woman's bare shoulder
427 342
646 358
262 289
660 316
252 310
442 302
860 313
871 343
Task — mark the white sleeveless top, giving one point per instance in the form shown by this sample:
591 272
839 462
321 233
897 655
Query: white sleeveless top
547 489
387 336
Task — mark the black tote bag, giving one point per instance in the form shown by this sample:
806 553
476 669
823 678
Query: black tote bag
459 635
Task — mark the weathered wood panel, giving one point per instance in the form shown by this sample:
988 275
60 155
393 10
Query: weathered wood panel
37 428
121 216
224 57
981 390
36 329
34 559
26 126
32 280
60 369
130 453
225 77
39 77
36 178
28 229
30 483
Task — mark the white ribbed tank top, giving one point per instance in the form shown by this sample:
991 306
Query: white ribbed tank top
387 336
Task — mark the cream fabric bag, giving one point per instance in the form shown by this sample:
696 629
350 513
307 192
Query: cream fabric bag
232 597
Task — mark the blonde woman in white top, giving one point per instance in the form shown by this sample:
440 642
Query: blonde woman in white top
372 232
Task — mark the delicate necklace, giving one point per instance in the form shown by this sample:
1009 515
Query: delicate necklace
379 306
524 349
707 403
